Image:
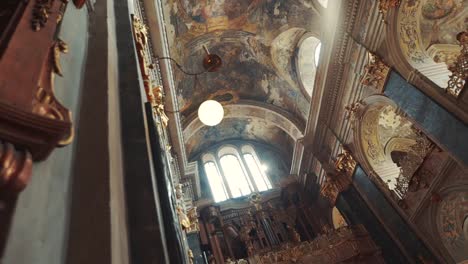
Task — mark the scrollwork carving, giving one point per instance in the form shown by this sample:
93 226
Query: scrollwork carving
352 110
375 73
154 93
15 168
459 70
41 13
59 47
345 163
44 103
334 185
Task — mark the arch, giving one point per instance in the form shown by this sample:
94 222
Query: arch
306 62
451 216
426 38
379 131
228 170
283 51
248 109
255 167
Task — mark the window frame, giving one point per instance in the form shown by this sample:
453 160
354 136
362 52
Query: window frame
238 153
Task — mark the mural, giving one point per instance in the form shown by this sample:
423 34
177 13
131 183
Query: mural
427 33
243 34
240 129
436 9
392 148
452 224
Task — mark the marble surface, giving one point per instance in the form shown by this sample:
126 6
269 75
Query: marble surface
440 125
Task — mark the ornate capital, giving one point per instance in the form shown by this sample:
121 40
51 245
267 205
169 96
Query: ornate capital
375 73
345 163
333 186
352 110
340 179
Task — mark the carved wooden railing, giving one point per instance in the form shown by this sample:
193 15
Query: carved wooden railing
32 120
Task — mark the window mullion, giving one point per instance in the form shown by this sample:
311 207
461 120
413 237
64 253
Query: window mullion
223 176
262 173
249 173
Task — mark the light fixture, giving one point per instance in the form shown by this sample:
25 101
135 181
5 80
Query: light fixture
210 63
210 112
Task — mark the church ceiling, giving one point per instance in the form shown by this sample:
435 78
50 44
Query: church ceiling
239 128
257 41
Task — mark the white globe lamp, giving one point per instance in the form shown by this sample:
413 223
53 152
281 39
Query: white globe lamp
210 113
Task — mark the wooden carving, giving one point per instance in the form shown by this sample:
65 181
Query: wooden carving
154 93
32 120
458 78
15 168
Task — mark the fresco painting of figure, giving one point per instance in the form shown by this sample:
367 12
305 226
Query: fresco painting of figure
218 14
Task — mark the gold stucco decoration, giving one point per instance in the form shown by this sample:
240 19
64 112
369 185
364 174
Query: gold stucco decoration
385 5
459 76
154 93
375 73
345 163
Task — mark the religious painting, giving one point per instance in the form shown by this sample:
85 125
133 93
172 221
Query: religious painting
436 9
452 220
218 14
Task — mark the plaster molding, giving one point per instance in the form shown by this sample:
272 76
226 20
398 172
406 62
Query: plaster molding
297 157
334 60
251 109
395 58
152 14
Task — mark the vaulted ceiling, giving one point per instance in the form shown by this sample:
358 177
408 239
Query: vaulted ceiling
258 43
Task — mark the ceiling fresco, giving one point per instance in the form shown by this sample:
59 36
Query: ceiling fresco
427 31
258 60
238 128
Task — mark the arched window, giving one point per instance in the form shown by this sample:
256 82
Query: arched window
216 182
235 176
256 169
307 61
232 173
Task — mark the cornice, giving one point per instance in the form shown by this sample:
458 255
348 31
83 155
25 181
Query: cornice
329 79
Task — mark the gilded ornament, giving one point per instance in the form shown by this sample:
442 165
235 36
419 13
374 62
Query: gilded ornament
459 69
345 163
333 186
15 168
193 218
385 5
59 47
41 11
351 110
183 219
154 93
375 73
